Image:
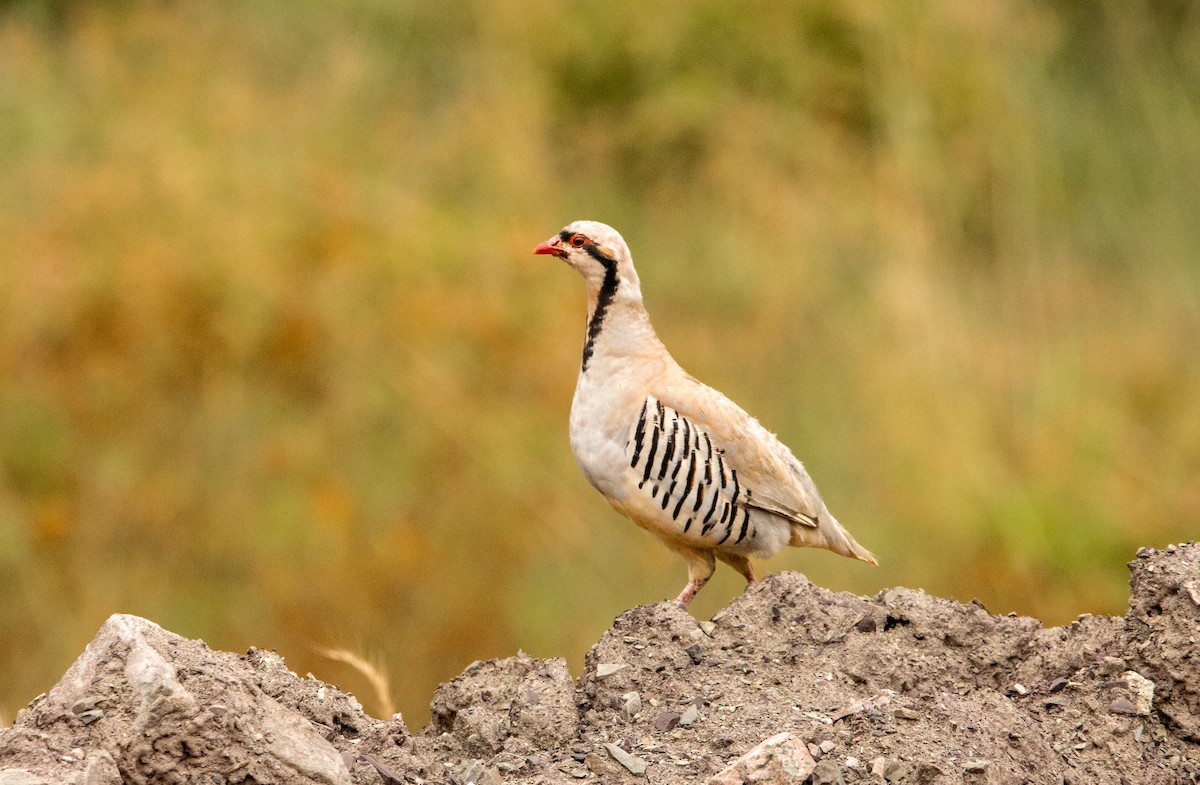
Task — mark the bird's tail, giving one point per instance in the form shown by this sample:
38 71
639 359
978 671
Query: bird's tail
829 534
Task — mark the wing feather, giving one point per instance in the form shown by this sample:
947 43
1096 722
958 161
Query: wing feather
780 484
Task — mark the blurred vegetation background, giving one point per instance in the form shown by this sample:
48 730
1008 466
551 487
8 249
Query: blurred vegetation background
278 368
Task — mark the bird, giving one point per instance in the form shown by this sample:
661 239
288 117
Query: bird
677 457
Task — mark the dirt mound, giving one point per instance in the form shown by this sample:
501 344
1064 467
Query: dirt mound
816 686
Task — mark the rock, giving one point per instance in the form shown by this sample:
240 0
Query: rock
1058 685
895 771
631 706
779 760
1110 666
606 669
597 765
666 720
1123 706
1161 627
827 773
633 764
975 766
1192 587
165 731
1143 691
474 772
689 716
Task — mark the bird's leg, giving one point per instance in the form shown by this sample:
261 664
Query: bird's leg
741 564
701 566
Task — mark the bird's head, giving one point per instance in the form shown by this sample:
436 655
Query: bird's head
596 250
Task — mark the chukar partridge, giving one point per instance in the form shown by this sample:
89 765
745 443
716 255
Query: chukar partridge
677 457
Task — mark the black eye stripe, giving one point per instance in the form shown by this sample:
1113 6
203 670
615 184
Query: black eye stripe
577 240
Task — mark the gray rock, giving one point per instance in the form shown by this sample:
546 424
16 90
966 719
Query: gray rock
827 773
631 706
635 765
606 669
160 735
779 760
895 771
666 720
1142 690
1123 706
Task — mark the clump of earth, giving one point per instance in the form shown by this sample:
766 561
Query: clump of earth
791 683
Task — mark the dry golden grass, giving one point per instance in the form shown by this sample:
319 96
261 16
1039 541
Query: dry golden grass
381 686
276 364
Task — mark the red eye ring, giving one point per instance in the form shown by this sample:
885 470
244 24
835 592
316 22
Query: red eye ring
578 240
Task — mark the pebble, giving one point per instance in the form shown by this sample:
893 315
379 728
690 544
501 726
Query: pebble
606 669
83 704
1058 685
1141 687
1123 706
475 773
1193 590
827 773
631 707
778 760
708 627
666 721
877 766
852 762
867 624
90 715
975 766
596 765
693 651
826 746
689 716
633 764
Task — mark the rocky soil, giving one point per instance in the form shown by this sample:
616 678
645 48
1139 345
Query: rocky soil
789 684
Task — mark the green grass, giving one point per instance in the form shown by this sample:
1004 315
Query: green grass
278 368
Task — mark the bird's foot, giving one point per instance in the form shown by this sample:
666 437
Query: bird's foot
688 594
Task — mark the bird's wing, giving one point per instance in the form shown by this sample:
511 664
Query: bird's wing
688 429
779 482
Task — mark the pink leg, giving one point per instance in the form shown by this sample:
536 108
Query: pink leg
700 568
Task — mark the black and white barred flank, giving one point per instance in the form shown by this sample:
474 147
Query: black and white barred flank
680 466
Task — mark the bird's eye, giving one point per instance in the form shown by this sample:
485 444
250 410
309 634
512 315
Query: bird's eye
578 240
